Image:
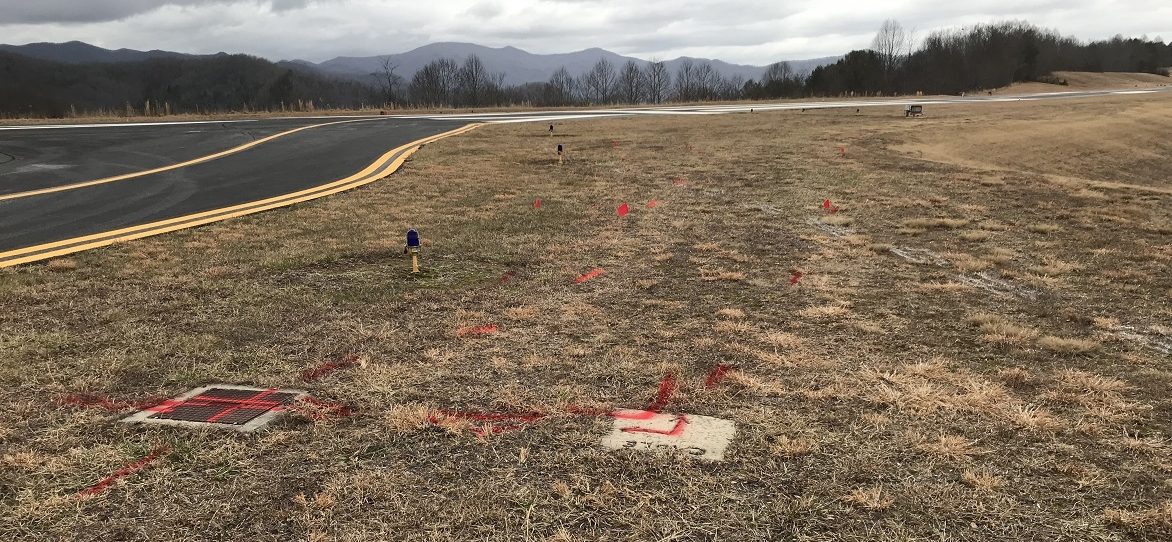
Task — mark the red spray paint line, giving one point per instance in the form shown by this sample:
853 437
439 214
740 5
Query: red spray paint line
592 274
667 387
508 276
537 203
125 471
623 209
478 330
315 373
675 431
717 374
793 279
322 409
86 400
652 204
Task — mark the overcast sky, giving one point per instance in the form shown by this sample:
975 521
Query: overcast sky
741 31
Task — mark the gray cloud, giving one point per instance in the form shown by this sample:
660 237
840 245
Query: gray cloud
743 31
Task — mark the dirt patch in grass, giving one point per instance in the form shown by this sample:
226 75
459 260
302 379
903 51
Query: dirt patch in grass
876 396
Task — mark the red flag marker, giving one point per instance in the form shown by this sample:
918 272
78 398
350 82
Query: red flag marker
537 203
651 204
593 273
623 209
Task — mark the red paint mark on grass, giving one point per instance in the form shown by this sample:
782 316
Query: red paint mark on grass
828 208
87 400
125 471
592 274
842 150
793 279
315 373
717 374
667 387
614 144
317 409
508 276
477 330
653 204
679 182
537 203
623 209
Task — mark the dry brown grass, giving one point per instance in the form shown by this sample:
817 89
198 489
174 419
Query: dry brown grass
62 264
869 498
920 391
1065 345
997 329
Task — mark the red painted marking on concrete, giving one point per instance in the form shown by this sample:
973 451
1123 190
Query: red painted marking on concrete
537 203
717 374
125 471
653 204
508 276
477 330
252 403
592 274
793 279
675 431
315 373
623 209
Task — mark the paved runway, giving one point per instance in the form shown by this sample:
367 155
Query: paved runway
65 188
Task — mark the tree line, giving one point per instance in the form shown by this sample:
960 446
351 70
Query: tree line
946 62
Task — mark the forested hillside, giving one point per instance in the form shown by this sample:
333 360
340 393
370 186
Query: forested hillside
947 62
177 85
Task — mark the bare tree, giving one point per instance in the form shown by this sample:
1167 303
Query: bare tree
434 83
707 82
599 81
473 81
658 82
561 89
685 82
390 83
892 44
778 72
632 83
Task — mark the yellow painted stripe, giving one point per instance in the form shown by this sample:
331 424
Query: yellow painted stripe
191 162
377 170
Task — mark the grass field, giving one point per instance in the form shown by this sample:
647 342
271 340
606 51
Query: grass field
972 343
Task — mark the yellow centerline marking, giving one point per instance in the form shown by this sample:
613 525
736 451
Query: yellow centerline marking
385 165
193 161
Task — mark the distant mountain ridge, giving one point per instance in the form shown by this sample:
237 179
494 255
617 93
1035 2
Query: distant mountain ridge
519 66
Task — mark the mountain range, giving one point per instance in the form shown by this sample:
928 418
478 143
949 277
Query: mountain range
518 66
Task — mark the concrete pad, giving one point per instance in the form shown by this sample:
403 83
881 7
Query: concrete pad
225 406
701 437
